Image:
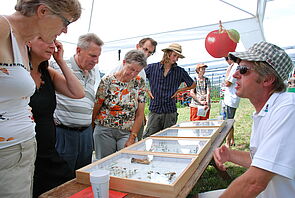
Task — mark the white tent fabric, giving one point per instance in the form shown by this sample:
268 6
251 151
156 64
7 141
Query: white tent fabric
121 24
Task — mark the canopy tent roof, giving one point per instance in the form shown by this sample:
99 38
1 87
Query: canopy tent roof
121 24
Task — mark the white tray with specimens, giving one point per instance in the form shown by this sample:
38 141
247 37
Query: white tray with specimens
201 124
155 175
171 145
188 133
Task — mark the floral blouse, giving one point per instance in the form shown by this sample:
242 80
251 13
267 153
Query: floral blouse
119 101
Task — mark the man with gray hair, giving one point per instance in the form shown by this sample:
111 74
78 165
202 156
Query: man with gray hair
260 77
74 141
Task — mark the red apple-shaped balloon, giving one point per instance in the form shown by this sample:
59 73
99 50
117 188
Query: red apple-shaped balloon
219 43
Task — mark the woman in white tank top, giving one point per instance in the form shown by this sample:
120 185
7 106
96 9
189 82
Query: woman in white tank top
47 19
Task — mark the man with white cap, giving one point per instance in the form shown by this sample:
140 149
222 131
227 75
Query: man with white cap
260 77
165 78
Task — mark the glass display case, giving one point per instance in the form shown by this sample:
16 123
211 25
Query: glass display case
201 124
188 133
171 145
155 175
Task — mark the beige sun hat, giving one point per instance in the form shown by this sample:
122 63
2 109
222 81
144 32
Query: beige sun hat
200 66
175 48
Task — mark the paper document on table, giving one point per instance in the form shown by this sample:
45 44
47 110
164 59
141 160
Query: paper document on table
202 111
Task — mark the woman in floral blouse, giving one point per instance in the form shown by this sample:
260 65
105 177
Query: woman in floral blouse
119 108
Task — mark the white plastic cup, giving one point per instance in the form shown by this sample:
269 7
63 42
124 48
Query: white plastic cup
100 183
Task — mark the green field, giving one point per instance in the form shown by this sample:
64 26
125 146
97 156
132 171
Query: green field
210 179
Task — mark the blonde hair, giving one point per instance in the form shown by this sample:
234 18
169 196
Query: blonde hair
71 7
166 55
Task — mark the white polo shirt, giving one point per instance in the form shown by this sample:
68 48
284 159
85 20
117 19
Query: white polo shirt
272 144
230 97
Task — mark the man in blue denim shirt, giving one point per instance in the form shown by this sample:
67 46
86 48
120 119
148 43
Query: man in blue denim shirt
165 78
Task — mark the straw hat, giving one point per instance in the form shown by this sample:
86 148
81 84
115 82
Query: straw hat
175 48
200 66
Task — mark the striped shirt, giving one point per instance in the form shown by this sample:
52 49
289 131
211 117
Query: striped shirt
163 87
76 112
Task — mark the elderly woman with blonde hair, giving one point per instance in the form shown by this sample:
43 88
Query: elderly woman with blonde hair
46 19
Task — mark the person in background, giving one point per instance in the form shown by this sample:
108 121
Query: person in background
148 47
50 169
118 110
73 117
200 96
291 82
231 100
261 73
165 78
46 19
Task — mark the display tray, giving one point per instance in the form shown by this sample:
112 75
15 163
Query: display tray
153 175
201 124
186 146
188 133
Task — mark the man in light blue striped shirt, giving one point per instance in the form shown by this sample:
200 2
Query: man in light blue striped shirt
74 141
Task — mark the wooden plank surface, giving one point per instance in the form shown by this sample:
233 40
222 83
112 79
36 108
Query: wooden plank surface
71 187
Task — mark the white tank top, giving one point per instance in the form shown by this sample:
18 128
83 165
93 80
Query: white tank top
16 87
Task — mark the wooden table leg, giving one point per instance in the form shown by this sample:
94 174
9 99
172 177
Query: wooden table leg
223 174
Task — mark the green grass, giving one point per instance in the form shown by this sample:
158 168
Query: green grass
243 122
210 179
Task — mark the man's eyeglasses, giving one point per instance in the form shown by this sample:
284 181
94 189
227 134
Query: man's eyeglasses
243 69
147 50
65 21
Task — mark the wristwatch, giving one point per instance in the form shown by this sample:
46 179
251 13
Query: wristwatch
134 134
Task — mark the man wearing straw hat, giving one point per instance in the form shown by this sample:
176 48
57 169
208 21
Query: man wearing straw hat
260 77
165 78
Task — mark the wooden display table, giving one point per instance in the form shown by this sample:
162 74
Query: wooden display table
71 187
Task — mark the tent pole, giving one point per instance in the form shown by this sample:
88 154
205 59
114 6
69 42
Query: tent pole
90 16
237 8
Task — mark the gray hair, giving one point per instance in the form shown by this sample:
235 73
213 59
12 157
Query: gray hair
71 7
264 69
86 39
136 56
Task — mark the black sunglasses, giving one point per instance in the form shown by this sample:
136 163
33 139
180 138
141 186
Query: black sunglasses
243 69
